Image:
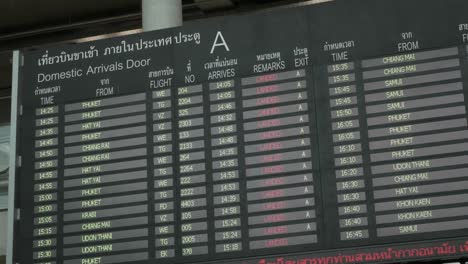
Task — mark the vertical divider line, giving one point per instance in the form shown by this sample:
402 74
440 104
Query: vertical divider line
365 151
463 56
241 167
150 176
175 174
209 170
60 183
14 170
326 171
311 90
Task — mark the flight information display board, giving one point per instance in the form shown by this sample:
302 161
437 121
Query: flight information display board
334 133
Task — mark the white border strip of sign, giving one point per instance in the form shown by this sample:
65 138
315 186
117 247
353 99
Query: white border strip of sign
13 158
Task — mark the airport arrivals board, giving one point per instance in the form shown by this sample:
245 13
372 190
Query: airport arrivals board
332 133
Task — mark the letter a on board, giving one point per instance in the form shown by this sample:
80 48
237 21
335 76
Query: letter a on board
219 41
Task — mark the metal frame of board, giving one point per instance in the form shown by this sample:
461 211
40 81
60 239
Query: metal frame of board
13 159
4 139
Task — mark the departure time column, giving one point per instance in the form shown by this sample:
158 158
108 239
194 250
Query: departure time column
347 150
226 187
46 184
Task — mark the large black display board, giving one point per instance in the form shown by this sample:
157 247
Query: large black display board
334 133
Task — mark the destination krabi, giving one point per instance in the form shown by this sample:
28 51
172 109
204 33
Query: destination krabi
93 70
